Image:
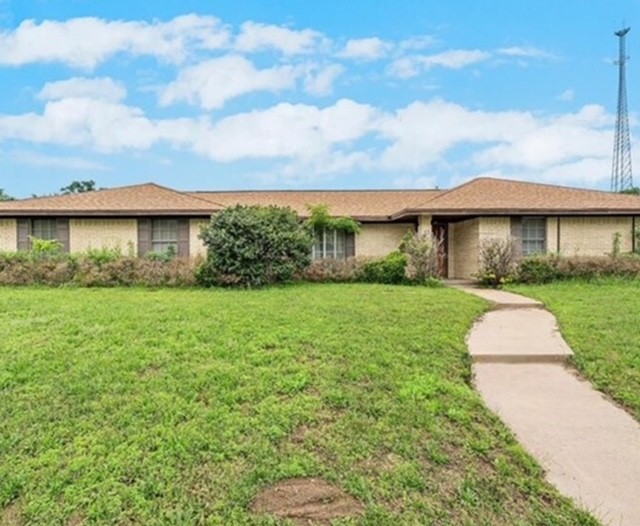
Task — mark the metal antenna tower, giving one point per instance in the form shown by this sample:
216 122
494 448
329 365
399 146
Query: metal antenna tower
621 176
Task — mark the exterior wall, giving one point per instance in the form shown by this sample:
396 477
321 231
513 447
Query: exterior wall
103 233
552 235
378 239
424 224
494 228
593 236
196 246
8 235
464 243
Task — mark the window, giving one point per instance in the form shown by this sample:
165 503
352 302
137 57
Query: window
164 235
534 235
329 244
44 229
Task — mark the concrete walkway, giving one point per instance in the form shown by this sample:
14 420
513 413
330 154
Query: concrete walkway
589 447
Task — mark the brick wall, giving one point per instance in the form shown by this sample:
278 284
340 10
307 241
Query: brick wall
552 235
464 241
196 247
8 235
376 240
593 236
103 233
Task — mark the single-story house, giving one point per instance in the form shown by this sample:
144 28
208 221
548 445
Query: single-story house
147 217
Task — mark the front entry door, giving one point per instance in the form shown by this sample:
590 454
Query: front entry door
440 237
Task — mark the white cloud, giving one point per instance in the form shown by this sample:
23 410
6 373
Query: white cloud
59 162
87 42
99 88
347 136
524 52
417 43
411 66
212 83
567 95
258 37
319 81
286 131
365 49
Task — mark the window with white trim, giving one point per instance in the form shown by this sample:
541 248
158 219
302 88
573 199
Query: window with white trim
330 244
164 235
534 235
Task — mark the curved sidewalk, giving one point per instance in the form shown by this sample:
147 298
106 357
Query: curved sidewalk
589 447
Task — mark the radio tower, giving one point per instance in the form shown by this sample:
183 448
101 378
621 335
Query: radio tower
621 176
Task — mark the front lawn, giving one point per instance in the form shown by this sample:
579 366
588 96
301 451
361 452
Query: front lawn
129 406
599 320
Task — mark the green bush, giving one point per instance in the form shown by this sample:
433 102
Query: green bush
547 268
391 269
252 246
537 269
422 256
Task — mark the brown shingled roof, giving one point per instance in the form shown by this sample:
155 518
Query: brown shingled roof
360 204
487 195
142 199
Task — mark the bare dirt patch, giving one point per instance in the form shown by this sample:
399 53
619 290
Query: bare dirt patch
11 515
306 501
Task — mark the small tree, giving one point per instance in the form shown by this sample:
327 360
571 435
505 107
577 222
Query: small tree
78 187
422 250
251 246
4 196
497 261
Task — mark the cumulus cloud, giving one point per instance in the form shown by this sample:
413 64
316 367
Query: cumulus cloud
365 49
99 88
89 41
212 83
259 37
319 80
413 141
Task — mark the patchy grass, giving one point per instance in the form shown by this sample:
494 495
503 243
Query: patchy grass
599 320
130 406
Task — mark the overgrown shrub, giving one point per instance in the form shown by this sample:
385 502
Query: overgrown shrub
333 270
537 269
422 256
546 268
391 269
94 269
252 246
497 261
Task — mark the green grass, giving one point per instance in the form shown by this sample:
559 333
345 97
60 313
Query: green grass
599 320
151 407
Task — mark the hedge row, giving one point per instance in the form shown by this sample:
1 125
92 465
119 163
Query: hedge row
545 269
23 269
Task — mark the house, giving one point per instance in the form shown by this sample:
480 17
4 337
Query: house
147 217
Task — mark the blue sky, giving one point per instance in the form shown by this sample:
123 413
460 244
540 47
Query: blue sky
198 94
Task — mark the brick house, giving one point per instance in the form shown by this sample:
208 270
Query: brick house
143 218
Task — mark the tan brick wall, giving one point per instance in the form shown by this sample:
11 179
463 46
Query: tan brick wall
196 246
593 236
103 233
552 235
464 241
494 228
8 235
376 240
424 224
